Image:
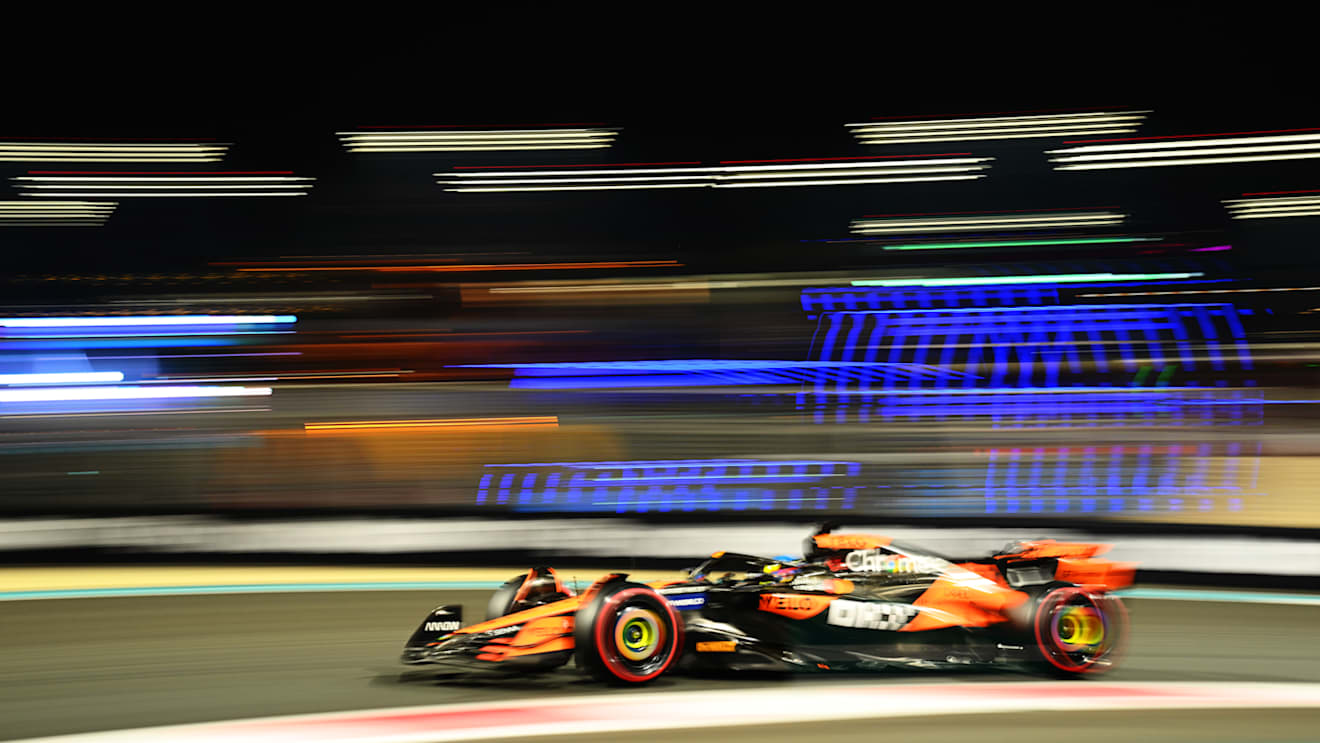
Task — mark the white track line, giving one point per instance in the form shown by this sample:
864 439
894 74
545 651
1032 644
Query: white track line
581 715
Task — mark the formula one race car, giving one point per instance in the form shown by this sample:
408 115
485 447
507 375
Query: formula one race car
853 602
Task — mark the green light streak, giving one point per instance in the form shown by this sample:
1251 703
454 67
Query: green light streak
1058 278
1020 243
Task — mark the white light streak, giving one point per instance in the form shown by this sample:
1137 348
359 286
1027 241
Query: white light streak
1207 151
164 180
161 194
848 181
1180 144
449 140
464 148
638 186
898 225
107 322
62 378
162 187
726 176
68 394
1188 161
997 127
983 137
1002 121
1107 156
173 152
1261 215
128 185
1274 208
55 213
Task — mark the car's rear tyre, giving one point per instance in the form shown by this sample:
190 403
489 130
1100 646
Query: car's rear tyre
627 633
1078 632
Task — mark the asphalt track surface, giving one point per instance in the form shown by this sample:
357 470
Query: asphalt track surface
81 665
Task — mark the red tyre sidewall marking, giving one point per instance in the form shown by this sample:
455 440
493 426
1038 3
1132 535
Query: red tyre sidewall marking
604 638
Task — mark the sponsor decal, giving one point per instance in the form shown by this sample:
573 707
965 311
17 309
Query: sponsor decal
721 646
794 605
686 601
879 561
848 541
450 626
868 615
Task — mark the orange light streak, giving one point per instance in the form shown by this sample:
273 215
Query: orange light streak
549 420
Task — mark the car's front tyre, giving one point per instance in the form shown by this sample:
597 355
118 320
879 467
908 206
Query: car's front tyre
627 633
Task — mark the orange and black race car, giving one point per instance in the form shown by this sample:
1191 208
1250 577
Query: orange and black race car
852 602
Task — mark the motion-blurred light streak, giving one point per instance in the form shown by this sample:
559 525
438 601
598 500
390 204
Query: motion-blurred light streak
66 394
1206 291
473 267
172 184
55 213
1067 278
665 485
1277 207
1037 347
397 425
109 151
954 222
1189 150
731 174
144 320
1018 243
62 378
477 140
861 298
707 373
996 127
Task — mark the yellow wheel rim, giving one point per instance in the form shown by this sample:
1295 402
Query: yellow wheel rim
637 634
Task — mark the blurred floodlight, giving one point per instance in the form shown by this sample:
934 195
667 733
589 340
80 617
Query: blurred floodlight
112 152
886 225
55 213
71 184
997 127
478 140
729 174
1199 149
1295 204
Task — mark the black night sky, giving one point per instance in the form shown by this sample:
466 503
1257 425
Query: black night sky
681 88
